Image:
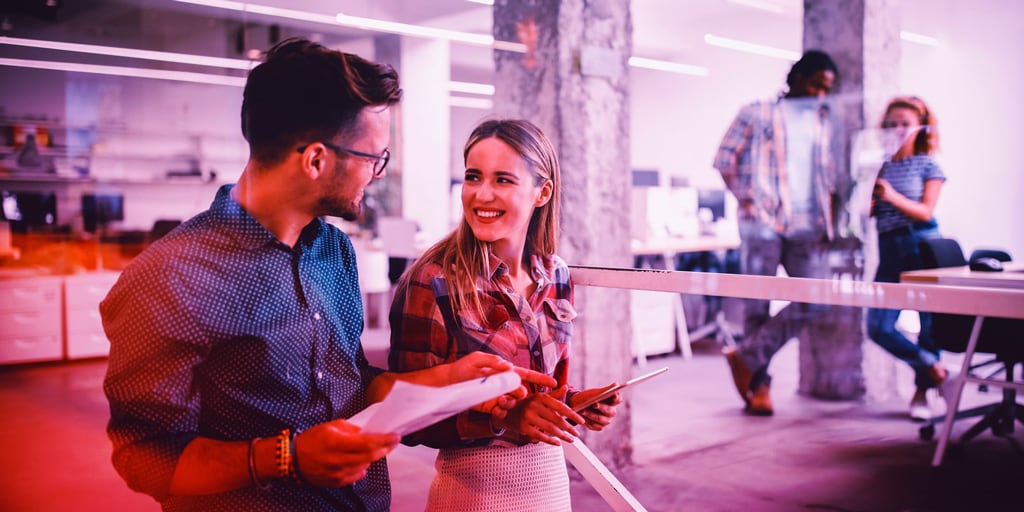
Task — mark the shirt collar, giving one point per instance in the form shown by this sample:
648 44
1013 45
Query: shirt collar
247 231
541 275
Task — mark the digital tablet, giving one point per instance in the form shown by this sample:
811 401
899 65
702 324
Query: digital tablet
614 389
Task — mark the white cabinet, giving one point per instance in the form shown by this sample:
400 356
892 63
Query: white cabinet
30 319
84 335
654 322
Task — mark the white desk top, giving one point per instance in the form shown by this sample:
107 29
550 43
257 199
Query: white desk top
1011 277
683 244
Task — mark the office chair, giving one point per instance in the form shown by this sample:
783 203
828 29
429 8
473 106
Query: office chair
161 227
998 336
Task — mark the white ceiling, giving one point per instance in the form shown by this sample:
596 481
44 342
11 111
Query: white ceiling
662 29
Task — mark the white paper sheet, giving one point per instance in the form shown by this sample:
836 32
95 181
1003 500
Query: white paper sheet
411 407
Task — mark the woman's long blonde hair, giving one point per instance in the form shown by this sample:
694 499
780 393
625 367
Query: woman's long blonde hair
463 257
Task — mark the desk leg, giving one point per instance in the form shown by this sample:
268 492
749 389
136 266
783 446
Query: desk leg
682 333
953 403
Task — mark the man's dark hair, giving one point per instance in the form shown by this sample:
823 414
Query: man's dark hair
305 92
811 62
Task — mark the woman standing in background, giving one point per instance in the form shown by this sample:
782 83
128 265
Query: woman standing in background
903 203
496 285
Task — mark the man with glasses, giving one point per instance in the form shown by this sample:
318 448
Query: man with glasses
235 354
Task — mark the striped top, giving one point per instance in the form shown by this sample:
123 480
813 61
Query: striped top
907 176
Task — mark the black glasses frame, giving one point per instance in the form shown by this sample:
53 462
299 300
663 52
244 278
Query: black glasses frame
380 162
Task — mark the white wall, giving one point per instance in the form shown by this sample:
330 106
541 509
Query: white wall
678 121
972 83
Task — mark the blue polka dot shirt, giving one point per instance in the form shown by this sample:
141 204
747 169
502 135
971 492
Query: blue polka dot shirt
221 331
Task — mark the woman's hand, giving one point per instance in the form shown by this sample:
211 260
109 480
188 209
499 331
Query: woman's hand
883 190
480 364
543 417
600 414
499 407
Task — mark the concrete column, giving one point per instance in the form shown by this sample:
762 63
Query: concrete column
863 38
573 82
423 130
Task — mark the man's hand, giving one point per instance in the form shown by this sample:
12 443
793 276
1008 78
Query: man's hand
336 453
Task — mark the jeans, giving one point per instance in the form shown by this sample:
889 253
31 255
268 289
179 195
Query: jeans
898 252
762 251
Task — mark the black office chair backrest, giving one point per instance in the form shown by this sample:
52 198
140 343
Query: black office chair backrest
161 227
951 332
998 254
941 252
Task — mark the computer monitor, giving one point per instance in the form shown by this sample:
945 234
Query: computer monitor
100 209
713 200
26 210
646 178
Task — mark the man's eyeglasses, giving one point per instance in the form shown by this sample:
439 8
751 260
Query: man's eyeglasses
379 161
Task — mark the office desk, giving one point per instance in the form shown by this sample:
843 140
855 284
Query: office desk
648 252
1012 277
672 246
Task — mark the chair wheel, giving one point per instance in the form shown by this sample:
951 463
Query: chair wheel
927 432
1000 428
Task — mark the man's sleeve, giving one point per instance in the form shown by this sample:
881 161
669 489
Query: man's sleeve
154 406
734 143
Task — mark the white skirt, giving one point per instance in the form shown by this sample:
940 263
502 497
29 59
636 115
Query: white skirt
529 478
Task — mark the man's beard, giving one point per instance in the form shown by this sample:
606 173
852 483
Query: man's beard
348 211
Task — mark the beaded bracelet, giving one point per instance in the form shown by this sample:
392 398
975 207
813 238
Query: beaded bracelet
253 476
283 454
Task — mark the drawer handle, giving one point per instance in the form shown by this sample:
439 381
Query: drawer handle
32 342
26 318
32 293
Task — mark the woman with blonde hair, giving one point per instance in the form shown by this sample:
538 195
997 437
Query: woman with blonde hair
903 203
496 285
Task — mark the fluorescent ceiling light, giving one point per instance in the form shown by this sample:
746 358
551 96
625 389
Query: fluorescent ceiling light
757 49
464 102
350 21
75 67
414 30
471 88
485 2
238 64
181 76
671 67
759 4
180 58
265 10
918 38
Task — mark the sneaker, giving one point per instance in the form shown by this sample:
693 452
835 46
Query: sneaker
919 410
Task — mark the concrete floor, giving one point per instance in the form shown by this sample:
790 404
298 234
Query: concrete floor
694 449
